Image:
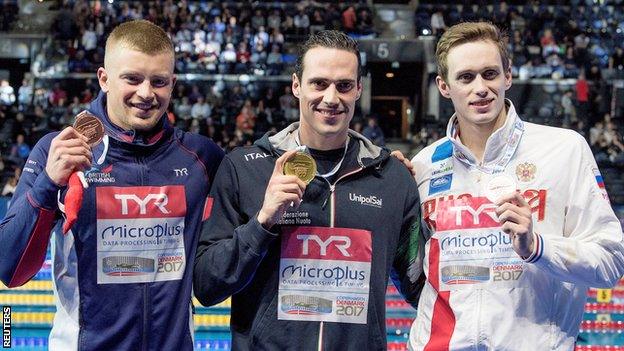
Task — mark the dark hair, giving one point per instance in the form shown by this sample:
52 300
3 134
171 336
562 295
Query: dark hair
328 39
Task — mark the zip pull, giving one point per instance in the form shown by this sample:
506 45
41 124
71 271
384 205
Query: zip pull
331 190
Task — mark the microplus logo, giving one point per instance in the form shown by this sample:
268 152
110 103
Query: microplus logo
366 200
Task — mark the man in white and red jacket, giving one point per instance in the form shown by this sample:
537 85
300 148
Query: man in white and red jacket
521 223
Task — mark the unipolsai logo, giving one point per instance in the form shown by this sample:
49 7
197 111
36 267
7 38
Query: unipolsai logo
371 200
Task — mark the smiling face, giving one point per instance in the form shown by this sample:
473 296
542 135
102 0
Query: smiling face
138 86
476 83
327 91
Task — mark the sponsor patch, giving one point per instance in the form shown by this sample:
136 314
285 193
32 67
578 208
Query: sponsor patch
324 274
305 305
460 274
127 265
95 175
371 200
440 184
140 234
471 246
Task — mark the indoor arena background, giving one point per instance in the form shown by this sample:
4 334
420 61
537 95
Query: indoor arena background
234 63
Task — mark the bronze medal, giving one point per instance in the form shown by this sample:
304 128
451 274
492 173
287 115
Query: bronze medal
90 126
301 165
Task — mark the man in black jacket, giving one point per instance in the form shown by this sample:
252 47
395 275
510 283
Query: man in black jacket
307 264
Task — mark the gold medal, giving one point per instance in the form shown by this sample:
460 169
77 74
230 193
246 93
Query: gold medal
89 126
301 165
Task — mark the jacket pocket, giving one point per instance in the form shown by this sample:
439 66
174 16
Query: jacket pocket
263 323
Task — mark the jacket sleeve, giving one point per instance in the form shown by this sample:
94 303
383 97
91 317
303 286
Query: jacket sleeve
590 251
407 272
25 231
230 247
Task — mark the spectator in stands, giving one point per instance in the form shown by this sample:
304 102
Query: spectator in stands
274 20
616 61
581 45
243 59
491 159
302 22
349 19
595 133
22 125
247 241
258 59
210 59
75 107
567 105
41 125
548 43
258 20
11 184
276 37
89 39
25 94
582 100
183 110
228 59
7 93
20 151
275 61
594 74
57 96
365 22
261 36
103 304
437 23
245 121
569 64
8 12
317 22
373 132
288 26
79 64
201 110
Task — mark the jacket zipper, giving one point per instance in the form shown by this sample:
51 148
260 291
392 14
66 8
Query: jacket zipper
332 223
146 296
145 315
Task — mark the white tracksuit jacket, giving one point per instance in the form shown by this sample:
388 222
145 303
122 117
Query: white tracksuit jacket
480 295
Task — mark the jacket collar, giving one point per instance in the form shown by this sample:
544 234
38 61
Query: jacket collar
368 154
98 108
499 148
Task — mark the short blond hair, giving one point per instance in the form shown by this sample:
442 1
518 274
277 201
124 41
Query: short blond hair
140 35
468 32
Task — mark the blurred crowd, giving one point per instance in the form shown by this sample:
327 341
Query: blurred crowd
556 39
209 37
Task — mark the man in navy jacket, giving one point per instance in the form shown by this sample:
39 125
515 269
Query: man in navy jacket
307 264
122 273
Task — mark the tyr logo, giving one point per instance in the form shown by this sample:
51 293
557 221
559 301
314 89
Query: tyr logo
180 172
159 200
466 213
342 243
487 209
